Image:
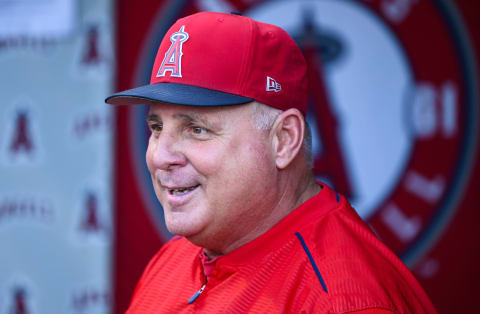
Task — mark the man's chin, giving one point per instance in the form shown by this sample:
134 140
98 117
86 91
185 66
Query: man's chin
197 237
183 230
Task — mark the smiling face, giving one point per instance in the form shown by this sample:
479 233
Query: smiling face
212 171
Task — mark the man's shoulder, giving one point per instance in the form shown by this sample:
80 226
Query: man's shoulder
347 249
357 267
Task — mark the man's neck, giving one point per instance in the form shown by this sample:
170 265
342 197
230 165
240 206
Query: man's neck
211 254
303 192
307 191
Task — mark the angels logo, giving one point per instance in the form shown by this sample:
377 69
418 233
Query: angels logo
21 137
91 55
22 140
20 296
19 304
173 57
92 224
392 109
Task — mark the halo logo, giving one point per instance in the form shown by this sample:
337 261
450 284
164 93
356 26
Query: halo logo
19 296
20 140
173 57
92 224
19 305
91 55
90 221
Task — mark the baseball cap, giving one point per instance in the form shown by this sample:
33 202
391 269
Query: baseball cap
219 59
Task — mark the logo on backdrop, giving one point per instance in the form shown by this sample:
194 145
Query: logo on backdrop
391 132
26 209
93 52
92 220
90 299
19 303
21 141
91 55
91 123
92 224
173 57
19 297
20 134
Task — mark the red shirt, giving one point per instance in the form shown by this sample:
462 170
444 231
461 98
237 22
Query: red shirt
321 258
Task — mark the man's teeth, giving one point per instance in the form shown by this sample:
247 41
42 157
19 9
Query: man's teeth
182 190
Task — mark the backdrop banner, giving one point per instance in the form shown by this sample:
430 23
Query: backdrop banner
393 106
56 228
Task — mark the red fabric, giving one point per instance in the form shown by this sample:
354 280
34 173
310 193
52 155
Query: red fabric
274 274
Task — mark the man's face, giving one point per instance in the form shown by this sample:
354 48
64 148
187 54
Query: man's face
212 170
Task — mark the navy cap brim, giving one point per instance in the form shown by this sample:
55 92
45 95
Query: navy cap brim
174 93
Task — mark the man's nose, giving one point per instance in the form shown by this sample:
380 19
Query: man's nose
165 152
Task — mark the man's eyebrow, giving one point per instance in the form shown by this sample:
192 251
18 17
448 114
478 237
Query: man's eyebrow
152 117
193 117
187 118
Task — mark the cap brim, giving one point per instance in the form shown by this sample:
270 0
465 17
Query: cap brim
179 94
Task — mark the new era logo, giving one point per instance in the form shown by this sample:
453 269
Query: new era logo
272 85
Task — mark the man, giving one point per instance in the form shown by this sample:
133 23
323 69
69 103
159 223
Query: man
230 161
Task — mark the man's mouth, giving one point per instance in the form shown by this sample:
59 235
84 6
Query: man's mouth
182 190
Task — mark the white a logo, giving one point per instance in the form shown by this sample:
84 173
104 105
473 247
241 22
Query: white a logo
272 85
173 57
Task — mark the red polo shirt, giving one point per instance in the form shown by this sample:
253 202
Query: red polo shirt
321 258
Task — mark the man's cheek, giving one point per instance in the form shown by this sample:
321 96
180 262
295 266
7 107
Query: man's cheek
148 159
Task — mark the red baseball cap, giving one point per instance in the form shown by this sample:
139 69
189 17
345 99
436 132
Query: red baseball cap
218 59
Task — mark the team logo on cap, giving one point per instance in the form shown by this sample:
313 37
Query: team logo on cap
173 57
272 85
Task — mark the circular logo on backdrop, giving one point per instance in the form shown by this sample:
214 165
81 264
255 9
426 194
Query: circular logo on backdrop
391 107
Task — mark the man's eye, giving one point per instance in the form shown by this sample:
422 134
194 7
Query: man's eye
156 127
198 130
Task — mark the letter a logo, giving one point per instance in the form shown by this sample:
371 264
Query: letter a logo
91 220
22 140
173 57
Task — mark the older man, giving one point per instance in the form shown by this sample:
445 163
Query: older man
229 156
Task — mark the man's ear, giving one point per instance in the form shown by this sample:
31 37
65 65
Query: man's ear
288 132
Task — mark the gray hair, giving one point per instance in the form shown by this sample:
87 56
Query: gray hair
265 116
